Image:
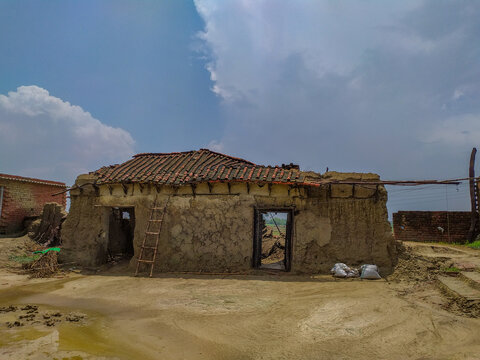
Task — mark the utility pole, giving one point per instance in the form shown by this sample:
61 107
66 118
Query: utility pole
473 198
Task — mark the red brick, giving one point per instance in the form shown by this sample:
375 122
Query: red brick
26 197
424 226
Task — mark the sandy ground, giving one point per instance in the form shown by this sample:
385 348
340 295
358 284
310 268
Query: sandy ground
235 317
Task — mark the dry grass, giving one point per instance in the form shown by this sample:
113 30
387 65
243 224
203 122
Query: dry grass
45 266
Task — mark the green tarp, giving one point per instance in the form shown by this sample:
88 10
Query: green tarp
47 250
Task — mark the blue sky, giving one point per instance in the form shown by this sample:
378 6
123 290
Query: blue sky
390 87
129 63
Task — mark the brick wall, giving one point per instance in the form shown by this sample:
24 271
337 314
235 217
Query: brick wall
424 226
21 199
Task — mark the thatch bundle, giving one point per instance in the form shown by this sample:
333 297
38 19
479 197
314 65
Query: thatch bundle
45 266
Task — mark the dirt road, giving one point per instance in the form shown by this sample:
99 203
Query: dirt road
235 317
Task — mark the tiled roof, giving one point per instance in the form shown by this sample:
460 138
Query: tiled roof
31 180
181 168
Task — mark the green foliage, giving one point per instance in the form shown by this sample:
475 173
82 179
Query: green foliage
451 269
474 245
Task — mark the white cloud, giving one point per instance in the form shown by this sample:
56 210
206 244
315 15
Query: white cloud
215 146
44 136
355 86
458 94
362 76
463 130
251 39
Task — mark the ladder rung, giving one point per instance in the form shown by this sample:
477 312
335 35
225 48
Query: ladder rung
157 233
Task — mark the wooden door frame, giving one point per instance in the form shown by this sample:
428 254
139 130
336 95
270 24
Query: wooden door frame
257 235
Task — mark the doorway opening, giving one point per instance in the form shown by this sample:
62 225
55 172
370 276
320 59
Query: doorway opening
120 234
272 243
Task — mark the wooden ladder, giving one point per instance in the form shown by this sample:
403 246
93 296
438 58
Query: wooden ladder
154 227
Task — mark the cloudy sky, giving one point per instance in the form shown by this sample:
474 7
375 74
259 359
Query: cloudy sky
391 87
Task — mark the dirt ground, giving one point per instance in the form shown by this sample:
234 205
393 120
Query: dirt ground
112 315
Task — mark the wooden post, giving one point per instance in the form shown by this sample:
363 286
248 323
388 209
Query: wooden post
473 198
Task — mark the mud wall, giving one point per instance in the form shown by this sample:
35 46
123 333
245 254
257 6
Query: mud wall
344 223
210 228
432 226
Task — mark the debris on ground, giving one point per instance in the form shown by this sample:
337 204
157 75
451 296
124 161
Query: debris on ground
415 267
30 315
27 317
30 308
18 252
74 317
45 266
114 259
341 270
5 309
14 324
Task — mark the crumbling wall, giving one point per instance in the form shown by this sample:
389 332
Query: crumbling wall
46 229
210 228
84 234
344 223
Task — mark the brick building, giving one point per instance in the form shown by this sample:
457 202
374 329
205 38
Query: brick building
22 197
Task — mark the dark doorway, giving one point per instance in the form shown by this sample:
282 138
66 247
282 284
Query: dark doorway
120 233
272 241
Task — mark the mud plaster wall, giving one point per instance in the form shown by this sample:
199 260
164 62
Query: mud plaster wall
215 232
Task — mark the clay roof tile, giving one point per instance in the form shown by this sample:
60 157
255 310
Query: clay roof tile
188 167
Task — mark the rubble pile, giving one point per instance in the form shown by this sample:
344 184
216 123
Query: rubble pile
273 246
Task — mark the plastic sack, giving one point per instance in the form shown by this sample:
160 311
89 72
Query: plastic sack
369 271
353 273
341 270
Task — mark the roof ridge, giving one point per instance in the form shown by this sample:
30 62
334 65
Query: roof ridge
195 151
30 179
189 167
170 153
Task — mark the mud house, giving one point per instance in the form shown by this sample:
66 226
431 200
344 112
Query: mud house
22 198
215 209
